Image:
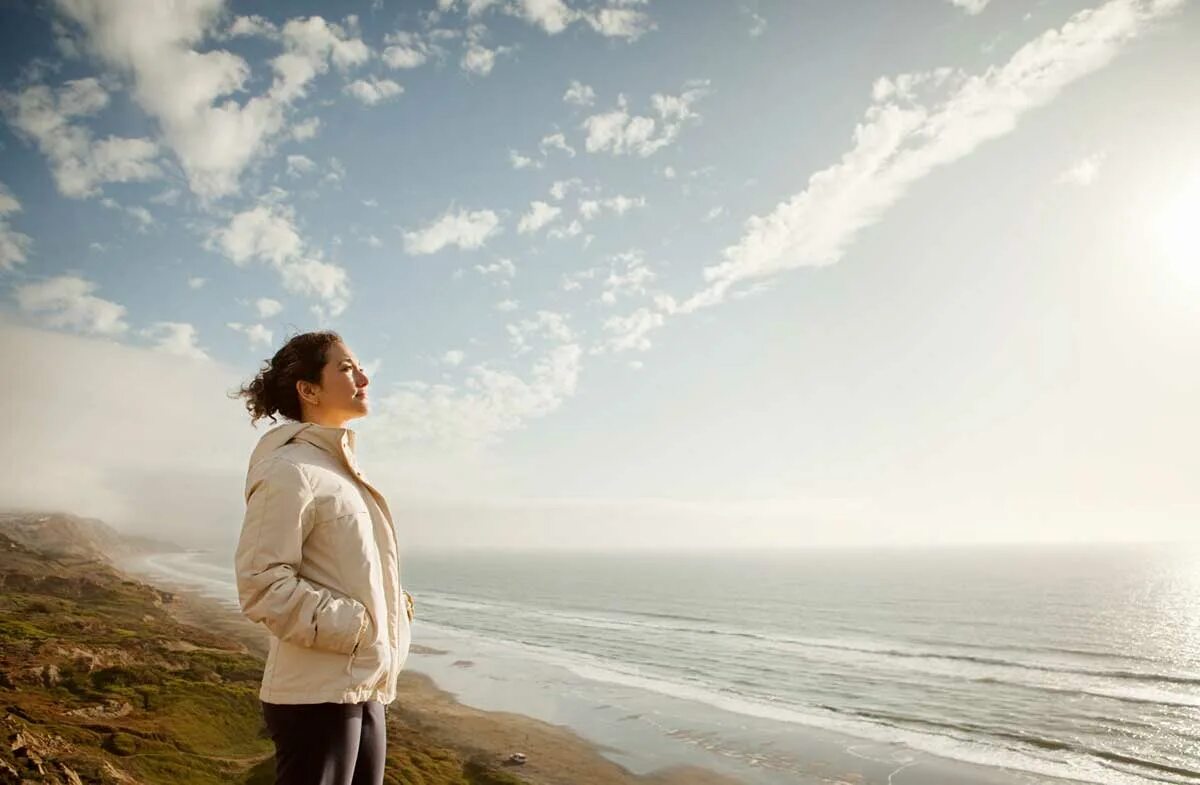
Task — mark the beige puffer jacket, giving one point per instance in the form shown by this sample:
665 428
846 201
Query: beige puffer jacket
317 563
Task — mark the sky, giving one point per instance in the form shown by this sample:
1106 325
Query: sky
623 274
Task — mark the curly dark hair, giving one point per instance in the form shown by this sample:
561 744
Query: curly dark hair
274 388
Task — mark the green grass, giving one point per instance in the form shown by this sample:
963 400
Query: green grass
196 717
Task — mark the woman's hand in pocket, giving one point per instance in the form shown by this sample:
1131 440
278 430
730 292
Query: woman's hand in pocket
409 606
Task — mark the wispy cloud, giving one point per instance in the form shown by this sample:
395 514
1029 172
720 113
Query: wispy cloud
14 245
80 163
67 301
620 133
268 233
373 90
178 338
972 7
917 123
540 214
466 229
184 88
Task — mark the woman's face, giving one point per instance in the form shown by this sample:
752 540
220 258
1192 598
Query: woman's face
343 392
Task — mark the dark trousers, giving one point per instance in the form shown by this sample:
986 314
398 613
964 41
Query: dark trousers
327 743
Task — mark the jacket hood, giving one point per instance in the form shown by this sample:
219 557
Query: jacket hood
326 437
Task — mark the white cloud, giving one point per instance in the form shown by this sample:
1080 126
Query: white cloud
579 94
319 42
463 228
614 19
507 306
185 90
254 25
556 141
403 57
560 188
267 233
540 214
337 170
13 244
67 301
972 7
573 281
177 338
479 58
256 334
562 232
1083 172
80 164
523 162
553 16
909 131
630 279
196 282
617 22
621 133
306 129
473 7
619 204
502 267
267 307
170 197
141 215
629 332
373 90
298 165
408 50
714 213
546 325
454 357
489 404
315 277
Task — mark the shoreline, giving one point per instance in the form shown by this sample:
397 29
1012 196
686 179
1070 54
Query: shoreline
556 755
561 752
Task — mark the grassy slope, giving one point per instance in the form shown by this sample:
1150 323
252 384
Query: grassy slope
100 682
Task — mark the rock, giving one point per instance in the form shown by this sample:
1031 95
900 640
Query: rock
69 773
51 675
108 710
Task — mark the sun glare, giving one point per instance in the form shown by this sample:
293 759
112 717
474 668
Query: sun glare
1179 229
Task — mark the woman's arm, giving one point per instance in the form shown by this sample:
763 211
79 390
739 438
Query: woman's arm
267 560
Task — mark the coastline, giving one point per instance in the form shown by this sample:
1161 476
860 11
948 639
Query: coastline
439 698
556 754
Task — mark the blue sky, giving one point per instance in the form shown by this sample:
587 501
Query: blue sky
624 273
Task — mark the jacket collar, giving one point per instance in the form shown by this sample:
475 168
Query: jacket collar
336 441
339 442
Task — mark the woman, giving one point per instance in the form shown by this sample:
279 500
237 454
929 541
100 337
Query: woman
317 564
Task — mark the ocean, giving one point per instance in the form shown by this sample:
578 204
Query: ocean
1021 663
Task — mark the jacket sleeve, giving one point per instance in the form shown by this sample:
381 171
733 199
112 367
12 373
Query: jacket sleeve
267 562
